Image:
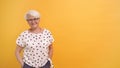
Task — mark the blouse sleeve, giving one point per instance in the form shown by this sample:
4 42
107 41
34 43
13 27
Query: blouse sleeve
50 37
20 40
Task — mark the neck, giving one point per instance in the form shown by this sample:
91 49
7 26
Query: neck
35 29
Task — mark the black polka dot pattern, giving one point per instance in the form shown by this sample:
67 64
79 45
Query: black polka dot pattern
35 47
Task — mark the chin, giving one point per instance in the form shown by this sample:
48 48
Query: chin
33 27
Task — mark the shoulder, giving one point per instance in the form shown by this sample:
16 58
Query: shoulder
47 31
23 32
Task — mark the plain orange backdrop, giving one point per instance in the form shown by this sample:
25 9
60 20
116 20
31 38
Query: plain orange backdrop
86 32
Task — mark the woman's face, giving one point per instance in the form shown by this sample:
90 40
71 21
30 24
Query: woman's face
33 21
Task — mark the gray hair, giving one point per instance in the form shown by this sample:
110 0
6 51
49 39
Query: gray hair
32 13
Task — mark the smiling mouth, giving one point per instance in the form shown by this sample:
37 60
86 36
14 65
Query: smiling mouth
34 24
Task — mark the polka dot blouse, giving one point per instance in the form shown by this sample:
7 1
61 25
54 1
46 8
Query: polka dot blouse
35 47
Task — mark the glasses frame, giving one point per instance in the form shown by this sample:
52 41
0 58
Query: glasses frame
34 19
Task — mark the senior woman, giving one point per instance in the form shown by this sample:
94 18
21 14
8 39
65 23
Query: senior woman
36 43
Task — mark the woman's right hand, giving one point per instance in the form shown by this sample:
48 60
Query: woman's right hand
17 53
22 64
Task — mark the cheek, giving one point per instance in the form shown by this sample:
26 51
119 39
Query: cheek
30 23
37 22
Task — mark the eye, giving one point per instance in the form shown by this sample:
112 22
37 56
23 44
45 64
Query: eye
29 19
34 19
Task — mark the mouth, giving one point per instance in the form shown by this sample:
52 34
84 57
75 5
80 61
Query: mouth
34 24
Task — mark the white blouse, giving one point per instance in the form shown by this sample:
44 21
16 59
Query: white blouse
35 47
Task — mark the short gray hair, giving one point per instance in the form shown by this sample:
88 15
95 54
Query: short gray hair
32 13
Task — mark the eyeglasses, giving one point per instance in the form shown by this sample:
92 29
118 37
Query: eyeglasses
34 19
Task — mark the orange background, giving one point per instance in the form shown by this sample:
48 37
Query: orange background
86 32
